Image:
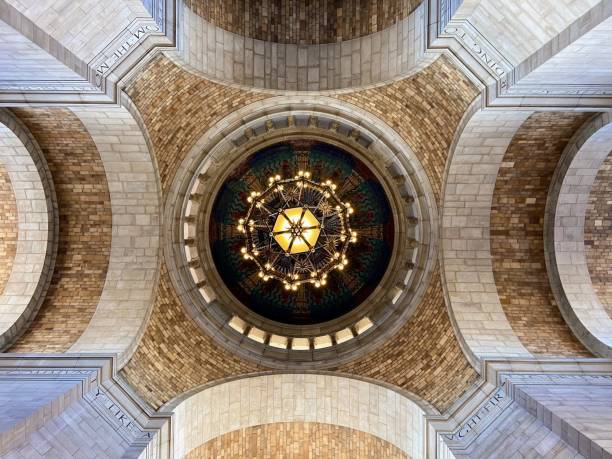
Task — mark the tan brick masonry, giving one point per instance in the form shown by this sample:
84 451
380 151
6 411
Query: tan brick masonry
84 230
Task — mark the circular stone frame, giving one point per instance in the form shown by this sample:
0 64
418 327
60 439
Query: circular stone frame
280 329
318 346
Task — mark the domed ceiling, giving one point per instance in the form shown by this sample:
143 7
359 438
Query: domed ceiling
367 258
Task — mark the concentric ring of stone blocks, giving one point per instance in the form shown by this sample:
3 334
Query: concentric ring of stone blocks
126 300
283 439
266 122
263 132
564 235
466 252
226 56
205 414
37 228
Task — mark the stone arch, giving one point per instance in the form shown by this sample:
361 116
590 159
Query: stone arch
206 413
37 229
127 297
564 235
466 254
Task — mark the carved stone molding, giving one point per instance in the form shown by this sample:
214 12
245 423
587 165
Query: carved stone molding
500 76
482 51
461 426
100 75
97 384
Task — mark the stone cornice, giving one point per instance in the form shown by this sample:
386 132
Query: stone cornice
477 409
102 389
500 77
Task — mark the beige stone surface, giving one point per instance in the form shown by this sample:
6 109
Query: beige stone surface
127 296
466 248
597 240
312 398
84 230
171 100
517 233
297 440
30 264
8 227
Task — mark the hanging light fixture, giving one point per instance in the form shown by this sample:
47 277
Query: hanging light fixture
297 231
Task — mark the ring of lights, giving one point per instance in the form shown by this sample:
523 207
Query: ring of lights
280 345
297 231
345 289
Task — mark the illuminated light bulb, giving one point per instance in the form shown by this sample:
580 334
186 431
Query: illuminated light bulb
243 250
241 221
290 229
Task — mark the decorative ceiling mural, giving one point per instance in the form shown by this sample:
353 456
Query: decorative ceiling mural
368 257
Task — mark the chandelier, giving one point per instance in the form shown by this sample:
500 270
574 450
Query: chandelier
297 231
